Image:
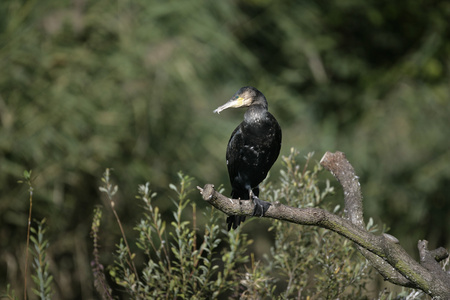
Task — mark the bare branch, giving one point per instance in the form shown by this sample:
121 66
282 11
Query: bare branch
383 251
402 269
341 168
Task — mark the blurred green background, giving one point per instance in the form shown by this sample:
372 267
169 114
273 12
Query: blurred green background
131 85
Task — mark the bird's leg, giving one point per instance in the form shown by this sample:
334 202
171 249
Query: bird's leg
260 206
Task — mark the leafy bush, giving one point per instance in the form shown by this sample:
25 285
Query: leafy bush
183 261
179 263
42 278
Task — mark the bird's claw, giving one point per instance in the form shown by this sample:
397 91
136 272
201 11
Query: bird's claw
260 206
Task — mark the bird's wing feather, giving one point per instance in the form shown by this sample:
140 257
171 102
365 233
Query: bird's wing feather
234 148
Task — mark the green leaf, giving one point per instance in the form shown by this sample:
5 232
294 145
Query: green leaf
173 187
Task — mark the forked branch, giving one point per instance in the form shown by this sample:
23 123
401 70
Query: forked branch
383 251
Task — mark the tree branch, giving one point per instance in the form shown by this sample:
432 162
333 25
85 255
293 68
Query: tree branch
383 251
343 171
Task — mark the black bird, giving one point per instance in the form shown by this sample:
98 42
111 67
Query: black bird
253 148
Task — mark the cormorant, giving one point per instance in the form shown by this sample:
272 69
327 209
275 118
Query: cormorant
253 148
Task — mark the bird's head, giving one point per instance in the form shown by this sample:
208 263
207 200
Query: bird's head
244 97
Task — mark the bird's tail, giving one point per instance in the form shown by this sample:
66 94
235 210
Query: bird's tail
234 221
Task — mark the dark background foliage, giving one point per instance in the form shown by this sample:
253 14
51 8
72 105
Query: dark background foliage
131 85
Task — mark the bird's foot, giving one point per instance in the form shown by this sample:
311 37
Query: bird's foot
260 206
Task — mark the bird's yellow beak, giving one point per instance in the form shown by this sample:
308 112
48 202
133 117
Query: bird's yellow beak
234 103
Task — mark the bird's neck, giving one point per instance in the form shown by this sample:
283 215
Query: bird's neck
255 113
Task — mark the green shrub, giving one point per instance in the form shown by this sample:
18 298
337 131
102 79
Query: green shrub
42 278
182 260
186 262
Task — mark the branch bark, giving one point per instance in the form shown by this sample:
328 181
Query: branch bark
383 251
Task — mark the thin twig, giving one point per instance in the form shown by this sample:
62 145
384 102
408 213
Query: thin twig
28 244
111 191
27 177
